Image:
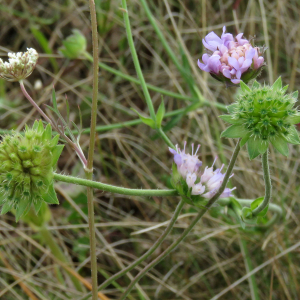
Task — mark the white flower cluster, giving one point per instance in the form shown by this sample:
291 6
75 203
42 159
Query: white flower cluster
19 66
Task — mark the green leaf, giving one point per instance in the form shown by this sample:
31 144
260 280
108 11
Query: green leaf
253 147
255 85
245 139
231 120
232 107
47 134
263 146
22 208
160 114
7 207
35 125
50 197
294 119
234 202
244 87
284 89
277 85
246 213
256 203
56 154
37 206
281 145
146 121
234 131
295 94
293 136
54 100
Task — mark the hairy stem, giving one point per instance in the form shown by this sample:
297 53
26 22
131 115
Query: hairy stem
194 222
112 188
268 185
89 167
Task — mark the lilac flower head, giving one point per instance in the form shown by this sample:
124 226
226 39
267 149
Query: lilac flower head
186 163
231 59
203 183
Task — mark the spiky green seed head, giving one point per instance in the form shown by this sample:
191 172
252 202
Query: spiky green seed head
27 162
263 115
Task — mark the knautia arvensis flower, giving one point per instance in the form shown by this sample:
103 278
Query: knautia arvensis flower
19 66
26 170
263 115
231 59
194 184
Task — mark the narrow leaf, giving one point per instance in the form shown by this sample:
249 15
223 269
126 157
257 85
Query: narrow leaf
229 119
234 131
277 85
281 145
244 87
160 114
245 139
255 85
56 154
253 146
50 197
146 121
293 136
232 107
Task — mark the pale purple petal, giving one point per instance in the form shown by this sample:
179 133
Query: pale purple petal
213 37
238 74
247 63
178 159
241 60
207 46
203 67
250 53
173 151
205 58
214 63
235 81
234 63
226 73
240 40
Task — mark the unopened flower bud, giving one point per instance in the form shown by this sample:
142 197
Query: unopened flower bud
74 45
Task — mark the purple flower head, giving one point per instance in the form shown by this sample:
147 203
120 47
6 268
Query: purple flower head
186 163
205 183
230 59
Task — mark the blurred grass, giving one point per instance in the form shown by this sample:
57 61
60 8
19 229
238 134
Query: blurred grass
134 157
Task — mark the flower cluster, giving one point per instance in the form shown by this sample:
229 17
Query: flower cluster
19 66
263 115
190 181
232 59
26 170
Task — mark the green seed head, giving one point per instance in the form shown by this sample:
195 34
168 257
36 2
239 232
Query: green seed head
264 115
26 169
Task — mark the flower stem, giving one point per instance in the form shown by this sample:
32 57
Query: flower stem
89 167
33 102
149 252
268 185
165 138
114 189
194 222
136 61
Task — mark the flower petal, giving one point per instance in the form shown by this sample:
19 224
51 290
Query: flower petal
233 62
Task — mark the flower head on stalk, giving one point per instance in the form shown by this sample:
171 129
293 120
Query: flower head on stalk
19 66
26 169
194 184
231 59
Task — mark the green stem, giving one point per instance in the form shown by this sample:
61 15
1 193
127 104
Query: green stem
89 167
165 138
249 268
268 185
136 62
149 252
114 189
55 250
194 222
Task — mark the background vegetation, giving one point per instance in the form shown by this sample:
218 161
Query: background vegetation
215 260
